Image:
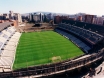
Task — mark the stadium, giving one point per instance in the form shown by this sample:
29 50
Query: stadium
49 51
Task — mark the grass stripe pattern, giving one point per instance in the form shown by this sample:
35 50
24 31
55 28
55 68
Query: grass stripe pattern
36 48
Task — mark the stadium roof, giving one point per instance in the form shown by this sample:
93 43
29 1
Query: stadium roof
4 25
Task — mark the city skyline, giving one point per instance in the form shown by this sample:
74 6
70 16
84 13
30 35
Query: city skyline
58 6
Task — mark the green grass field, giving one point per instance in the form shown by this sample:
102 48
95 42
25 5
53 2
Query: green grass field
38 48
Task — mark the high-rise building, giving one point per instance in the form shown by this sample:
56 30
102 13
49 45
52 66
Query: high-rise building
30 17
99 21
6 16
18 17
94 20
1 16
79 18
38 17
11 14
89 18
50 16
57 19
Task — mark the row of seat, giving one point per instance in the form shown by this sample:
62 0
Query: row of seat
5 35
8 48
95 28
89 36
75 40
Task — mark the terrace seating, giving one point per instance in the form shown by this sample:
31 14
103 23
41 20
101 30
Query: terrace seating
5 35
2 42
87 35
92 27
75 40
8 42
11 43
9 48
7 53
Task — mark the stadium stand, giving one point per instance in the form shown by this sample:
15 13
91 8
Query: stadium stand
56 68
75 40
92 27
89 39
8 42
84 38
81 32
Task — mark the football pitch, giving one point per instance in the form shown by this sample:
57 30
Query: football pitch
44 47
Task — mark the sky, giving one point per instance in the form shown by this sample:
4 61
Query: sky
58 6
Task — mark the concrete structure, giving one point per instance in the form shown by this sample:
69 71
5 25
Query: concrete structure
94 20
89 18
50 16
30 17
11 17
79 18
5 16
18 17
11 14
100 20
57 19
1 16
38 17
